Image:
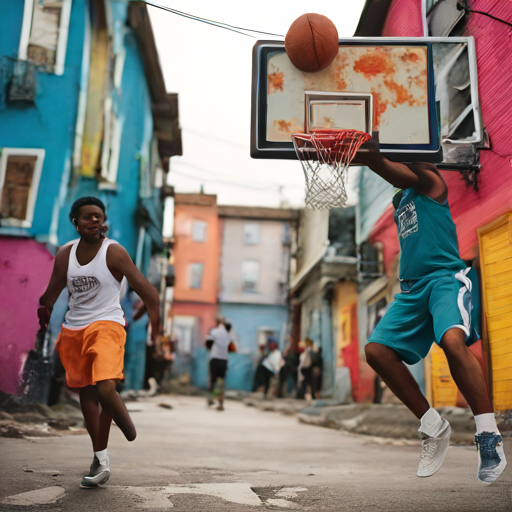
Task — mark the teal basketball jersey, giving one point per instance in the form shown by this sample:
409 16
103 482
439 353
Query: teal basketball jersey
427 236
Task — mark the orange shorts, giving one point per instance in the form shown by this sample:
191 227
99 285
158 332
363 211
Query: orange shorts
92 354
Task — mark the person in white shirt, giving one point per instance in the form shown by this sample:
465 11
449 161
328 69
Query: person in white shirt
272 363
218 342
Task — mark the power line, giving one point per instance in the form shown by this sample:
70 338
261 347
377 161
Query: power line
218 24
462 7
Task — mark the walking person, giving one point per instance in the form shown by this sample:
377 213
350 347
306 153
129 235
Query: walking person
439 302
305 370
271 364
218 342
91 342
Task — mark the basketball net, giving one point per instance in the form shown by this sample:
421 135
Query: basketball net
325 156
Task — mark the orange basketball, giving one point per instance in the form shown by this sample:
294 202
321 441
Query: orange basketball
312 42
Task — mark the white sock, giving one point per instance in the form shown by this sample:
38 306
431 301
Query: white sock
431 422
102 456
486 423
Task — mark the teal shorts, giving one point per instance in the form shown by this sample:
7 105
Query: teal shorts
425 309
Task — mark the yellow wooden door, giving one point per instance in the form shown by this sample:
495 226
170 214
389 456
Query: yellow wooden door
444 389
496 263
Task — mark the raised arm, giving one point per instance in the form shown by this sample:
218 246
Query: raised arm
422 176
57 283
119 262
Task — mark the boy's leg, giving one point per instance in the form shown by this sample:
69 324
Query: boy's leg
97 419
466 371
468 376
111 402
388 364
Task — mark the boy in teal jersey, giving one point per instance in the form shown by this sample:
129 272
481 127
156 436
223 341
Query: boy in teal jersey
439 302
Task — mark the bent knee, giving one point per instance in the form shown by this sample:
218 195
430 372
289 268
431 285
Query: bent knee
453 342
373 353
131 435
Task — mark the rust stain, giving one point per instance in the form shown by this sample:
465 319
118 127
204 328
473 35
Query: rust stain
275 82
379 107
410 57
283 125
375 63
402 96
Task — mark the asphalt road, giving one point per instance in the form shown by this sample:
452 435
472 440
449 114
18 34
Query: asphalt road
190 458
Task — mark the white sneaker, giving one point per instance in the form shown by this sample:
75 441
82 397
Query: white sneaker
433 450
98 474
491 456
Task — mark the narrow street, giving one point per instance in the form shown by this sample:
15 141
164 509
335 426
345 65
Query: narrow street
189 458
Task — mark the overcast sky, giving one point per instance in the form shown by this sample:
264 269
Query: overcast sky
210 69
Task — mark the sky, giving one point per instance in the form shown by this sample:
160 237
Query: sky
211 70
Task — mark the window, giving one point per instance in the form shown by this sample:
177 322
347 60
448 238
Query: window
195 275
250 275
251 233
199 231
20 171
44 33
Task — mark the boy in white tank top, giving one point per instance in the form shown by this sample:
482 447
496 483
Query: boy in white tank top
91 343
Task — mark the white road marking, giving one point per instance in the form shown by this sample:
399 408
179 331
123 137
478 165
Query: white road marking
240 493
282 503
290 492
38 497
153 497
158 497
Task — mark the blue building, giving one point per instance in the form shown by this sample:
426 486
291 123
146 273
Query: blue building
83 111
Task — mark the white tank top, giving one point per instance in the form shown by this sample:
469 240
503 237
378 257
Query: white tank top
93 290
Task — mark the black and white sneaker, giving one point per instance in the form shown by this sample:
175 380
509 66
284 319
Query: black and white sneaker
98 474
491 456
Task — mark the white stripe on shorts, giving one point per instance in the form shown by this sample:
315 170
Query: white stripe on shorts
465 314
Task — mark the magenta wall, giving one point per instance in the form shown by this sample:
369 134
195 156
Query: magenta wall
471 209
25 269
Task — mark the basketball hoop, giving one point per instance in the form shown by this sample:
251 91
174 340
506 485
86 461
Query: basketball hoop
325 156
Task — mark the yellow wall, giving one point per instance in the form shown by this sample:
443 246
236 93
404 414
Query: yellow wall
344 299
444 389
496 264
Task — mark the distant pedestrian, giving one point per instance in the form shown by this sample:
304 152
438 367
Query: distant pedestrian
259 374
288 373
305 373
218 342
92 339
271 364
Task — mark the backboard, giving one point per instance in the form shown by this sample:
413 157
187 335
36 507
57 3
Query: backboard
399 73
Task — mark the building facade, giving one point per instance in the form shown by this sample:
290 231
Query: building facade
84 111
481 213
255 246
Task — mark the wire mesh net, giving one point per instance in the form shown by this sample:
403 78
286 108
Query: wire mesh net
325 156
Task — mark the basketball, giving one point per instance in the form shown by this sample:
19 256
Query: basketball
312 42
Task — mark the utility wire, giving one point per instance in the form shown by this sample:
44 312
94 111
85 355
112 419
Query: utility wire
218 24
462 7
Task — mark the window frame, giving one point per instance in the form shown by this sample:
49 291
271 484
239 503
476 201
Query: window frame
256 283
34 187
190 265
257 224
203 223
62 38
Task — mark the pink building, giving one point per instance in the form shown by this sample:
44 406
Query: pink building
18 319
483 216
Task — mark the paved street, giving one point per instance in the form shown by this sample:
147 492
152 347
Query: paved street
189 458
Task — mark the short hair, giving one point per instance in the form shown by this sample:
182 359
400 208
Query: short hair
85 201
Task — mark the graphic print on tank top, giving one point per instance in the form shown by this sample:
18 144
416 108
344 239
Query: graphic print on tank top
84 290
407 220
